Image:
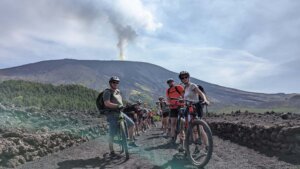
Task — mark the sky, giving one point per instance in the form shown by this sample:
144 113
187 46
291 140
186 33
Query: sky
248 45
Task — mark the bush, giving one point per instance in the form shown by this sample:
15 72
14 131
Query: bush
156 118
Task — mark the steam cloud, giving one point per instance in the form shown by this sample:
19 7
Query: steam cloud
125 35
49 20
95 10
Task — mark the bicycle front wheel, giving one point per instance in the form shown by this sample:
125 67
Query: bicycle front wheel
124 139
199 143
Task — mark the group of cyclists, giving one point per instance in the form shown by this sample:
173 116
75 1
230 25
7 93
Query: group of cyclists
170 107
138 118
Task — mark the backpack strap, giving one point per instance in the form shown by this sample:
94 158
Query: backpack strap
175 89
111 94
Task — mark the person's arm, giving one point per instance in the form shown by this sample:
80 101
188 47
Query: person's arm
107 102
167 96
159 107
181 90
202 95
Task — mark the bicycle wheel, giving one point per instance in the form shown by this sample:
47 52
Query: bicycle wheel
199 143
180 122
124 139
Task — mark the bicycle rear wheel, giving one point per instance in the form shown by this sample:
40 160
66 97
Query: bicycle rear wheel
124 139
199 143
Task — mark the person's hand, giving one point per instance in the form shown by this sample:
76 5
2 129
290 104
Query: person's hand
205 102
120 106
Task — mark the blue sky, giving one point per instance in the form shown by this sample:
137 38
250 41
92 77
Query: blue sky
249 45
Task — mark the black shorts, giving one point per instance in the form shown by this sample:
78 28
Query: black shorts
199 109
165 114
174 113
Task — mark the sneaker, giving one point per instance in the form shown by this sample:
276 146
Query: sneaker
206 149
132 144
199 141
112 154
180 148
196 151
173 140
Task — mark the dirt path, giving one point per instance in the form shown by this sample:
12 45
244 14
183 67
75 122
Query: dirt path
155 152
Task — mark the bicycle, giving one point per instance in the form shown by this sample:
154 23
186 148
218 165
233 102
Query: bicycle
198 142
121 136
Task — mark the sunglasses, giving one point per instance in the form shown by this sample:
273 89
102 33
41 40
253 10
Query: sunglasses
115 82
184 77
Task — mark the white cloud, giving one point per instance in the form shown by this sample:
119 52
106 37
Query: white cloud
232 68
136 11
232 43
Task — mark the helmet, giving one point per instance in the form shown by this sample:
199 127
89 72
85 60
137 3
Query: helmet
170 80
183 73
114 78
160 98
139 102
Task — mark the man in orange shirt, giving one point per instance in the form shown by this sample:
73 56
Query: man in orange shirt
174 92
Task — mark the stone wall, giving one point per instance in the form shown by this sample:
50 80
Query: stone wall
18 146
269 132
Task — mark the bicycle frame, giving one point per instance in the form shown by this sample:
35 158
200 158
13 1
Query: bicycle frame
122 135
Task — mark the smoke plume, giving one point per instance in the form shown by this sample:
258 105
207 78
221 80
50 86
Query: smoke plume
47 18
125 35
93 11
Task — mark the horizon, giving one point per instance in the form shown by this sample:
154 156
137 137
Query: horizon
252 48
146 63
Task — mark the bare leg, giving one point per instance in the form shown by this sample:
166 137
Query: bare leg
173 126
130 132
110 143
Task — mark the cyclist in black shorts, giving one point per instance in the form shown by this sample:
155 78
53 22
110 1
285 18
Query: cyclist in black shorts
164 110
174 92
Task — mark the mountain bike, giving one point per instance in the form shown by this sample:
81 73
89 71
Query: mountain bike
122 135
198 142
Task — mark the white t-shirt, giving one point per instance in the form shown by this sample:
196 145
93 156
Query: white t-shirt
190 92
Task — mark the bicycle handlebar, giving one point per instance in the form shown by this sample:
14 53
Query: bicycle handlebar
189 101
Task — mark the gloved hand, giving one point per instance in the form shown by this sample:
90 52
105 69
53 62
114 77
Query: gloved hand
120 106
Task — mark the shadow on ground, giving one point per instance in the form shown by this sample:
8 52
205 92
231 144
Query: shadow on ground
177 162
96 162
154 137
168 145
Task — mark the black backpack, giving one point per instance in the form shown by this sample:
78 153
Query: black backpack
202 90
100 102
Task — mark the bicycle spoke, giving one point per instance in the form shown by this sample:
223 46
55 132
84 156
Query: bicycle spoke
199 143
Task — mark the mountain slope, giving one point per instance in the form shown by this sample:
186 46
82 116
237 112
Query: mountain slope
138 79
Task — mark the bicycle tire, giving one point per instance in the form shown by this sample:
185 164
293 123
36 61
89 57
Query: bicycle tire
179 123
177 129
190 143
124 139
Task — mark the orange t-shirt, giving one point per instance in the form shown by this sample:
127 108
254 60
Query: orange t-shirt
175 91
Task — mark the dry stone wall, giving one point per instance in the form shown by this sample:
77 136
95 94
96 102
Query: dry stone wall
271 132
18 146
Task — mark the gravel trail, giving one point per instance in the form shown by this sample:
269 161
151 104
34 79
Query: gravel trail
155 152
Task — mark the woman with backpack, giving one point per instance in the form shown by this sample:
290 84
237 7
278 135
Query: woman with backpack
193 93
